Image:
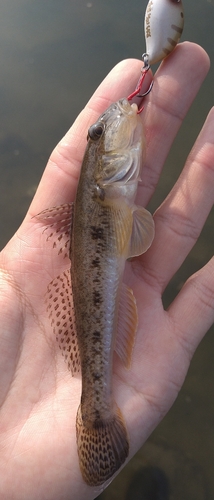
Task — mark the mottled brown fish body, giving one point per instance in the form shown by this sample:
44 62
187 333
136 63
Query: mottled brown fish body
101 242
96 275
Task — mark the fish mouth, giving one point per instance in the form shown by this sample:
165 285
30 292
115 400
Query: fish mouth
126 108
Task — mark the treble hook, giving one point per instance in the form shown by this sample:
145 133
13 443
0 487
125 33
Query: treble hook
147 92
144 70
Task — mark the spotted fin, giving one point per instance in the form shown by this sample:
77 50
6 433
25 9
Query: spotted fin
58 221
143 231
61 314
102 447
127 325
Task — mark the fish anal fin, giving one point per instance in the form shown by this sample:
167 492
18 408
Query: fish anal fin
143 231
102 447
127 325
60 310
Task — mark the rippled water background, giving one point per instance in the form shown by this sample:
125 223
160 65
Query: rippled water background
53 55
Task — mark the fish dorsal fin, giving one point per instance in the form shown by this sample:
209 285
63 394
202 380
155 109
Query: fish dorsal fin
127 325
143 231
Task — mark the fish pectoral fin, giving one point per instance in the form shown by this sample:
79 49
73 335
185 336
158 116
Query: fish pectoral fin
58 222
127 325
143 231
121 227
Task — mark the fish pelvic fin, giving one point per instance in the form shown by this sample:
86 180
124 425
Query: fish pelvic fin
60 309
102 447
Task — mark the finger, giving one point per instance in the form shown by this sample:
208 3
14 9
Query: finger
59 180
176 84
179 220
192 311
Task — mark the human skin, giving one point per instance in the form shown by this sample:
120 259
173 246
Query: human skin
38 396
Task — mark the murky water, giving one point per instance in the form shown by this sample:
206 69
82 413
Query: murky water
53 55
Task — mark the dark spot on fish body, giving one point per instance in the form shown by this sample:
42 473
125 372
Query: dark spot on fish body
97 233
96 334
97 298
97 375
96 262
101 245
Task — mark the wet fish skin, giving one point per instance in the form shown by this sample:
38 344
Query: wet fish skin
107 229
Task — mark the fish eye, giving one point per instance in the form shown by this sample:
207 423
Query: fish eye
96 131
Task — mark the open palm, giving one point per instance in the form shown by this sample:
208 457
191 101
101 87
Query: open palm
38 396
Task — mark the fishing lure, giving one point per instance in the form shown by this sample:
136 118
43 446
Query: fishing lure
163 26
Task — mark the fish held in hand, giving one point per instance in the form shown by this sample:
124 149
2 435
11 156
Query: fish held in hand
90 303
108 228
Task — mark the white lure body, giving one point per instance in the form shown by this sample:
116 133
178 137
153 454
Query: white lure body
164 20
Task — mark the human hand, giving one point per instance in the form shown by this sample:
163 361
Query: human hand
38 396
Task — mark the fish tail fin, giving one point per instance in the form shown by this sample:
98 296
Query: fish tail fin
102 447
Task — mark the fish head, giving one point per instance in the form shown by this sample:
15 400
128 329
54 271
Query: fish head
118 127
119 140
